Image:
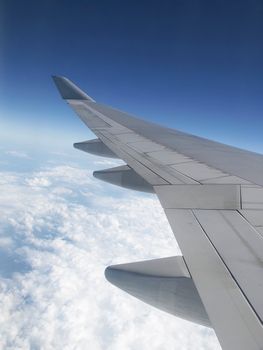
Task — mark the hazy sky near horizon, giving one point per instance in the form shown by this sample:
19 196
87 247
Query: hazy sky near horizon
195 65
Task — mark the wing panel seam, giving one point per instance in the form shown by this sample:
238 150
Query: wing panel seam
223 261
167 183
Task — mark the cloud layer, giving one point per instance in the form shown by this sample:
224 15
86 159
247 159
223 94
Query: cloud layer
60 228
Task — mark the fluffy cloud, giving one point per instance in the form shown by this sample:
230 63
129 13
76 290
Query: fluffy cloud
60 228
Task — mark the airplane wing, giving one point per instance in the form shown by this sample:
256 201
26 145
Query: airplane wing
212 195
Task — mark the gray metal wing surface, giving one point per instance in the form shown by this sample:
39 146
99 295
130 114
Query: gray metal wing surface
212 195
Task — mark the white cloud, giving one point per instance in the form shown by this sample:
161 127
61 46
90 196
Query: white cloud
18 154
60 228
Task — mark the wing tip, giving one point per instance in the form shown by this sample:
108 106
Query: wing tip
68 90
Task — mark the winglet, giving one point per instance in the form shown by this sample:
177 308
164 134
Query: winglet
69 91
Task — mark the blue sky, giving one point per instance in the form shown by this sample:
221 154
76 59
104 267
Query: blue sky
195 65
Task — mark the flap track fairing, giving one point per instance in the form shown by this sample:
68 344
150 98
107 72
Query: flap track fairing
124 176
163 283
95 147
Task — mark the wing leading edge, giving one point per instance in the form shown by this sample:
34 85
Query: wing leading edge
212 196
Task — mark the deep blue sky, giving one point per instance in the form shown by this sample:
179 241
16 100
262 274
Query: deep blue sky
193 65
